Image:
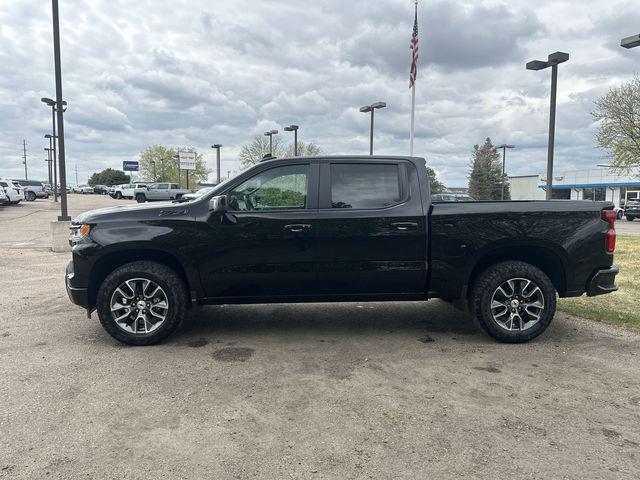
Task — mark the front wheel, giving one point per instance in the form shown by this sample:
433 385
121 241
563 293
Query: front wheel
118 195
142 303
630 218
31 196
513 302
141 198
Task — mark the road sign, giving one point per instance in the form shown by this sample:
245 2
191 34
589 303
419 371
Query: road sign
187 160
130 166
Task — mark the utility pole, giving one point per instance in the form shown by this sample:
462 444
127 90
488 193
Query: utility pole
24 156
76 174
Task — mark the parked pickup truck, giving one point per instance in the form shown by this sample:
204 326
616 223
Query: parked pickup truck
338 229
160 191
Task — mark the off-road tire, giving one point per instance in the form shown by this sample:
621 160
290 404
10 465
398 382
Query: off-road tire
487 283
166 278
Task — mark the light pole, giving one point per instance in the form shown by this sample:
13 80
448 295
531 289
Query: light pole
371 108
217 146
52 146
553 61
59 109
270 134
52 104
294 129
504 147
49 160
630 42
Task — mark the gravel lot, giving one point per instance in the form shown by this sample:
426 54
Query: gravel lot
397 390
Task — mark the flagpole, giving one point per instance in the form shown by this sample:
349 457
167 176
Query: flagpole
413 117
413 75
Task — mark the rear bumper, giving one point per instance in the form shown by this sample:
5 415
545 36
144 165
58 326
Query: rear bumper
78 295
603 281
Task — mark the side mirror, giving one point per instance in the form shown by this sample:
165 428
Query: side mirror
218 204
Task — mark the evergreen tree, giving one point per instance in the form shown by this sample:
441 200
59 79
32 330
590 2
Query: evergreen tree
435 185
485 177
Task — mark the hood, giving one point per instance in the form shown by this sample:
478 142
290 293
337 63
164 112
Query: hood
129 212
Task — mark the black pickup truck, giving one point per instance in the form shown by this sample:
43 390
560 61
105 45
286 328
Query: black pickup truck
338 229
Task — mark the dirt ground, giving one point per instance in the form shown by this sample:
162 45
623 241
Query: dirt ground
339 391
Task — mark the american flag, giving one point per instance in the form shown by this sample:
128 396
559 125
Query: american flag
413 73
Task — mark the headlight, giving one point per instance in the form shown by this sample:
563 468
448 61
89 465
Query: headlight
78 232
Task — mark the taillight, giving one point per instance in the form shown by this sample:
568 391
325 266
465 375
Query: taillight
609 216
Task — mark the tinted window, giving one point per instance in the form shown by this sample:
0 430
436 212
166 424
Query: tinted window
364 185
276 188
163 186
561 193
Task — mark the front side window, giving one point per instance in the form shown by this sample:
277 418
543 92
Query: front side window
277 188
364 186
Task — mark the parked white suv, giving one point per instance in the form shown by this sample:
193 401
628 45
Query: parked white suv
4 200
12 189
127 190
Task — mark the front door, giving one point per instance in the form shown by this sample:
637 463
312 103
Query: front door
264 246
372 231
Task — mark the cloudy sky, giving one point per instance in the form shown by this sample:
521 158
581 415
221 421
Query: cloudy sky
197 72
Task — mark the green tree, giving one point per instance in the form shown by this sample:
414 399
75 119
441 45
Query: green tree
485 177
109 176
160 164
255 151
435 185
619 132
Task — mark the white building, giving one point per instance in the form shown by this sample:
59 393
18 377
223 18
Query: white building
591 184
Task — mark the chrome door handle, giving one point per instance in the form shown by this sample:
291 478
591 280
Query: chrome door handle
297 227
405 226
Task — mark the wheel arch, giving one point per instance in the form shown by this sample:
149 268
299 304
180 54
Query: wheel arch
109 262
541 256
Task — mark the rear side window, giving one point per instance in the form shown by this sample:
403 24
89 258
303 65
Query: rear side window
364 186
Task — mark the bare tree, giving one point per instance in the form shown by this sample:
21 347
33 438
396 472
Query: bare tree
255 151
304 149
619 114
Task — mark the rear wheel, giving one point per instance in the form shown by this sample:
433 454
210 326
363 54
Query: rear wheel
142 303
119 195
31 196
514 302
141 198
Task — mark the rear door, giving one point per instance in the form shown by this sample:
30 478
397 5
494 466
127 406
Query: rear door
372 231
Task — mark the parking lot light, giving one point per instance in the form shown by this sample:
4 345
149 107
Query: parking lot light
270 134
371 108
217 146
504 147
294 129
553 60
630 42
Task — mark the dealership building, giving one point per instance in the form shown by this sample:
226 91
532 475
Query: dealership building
597 184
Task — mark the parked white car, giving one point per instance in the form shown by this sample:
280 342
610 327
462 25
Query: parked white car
127 190
4 200
12 189
81 189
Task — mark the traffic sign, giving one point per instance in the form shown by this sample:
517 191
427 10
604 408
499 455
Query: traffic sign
130 166
187 160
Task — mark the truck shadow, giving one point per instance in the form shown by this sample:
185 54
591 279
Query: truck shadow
415 318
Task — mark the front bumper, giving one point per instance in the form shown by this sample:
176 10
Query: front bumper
78 295
603 281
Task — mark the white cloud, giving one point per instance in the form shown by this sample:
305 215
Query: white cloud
199 72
